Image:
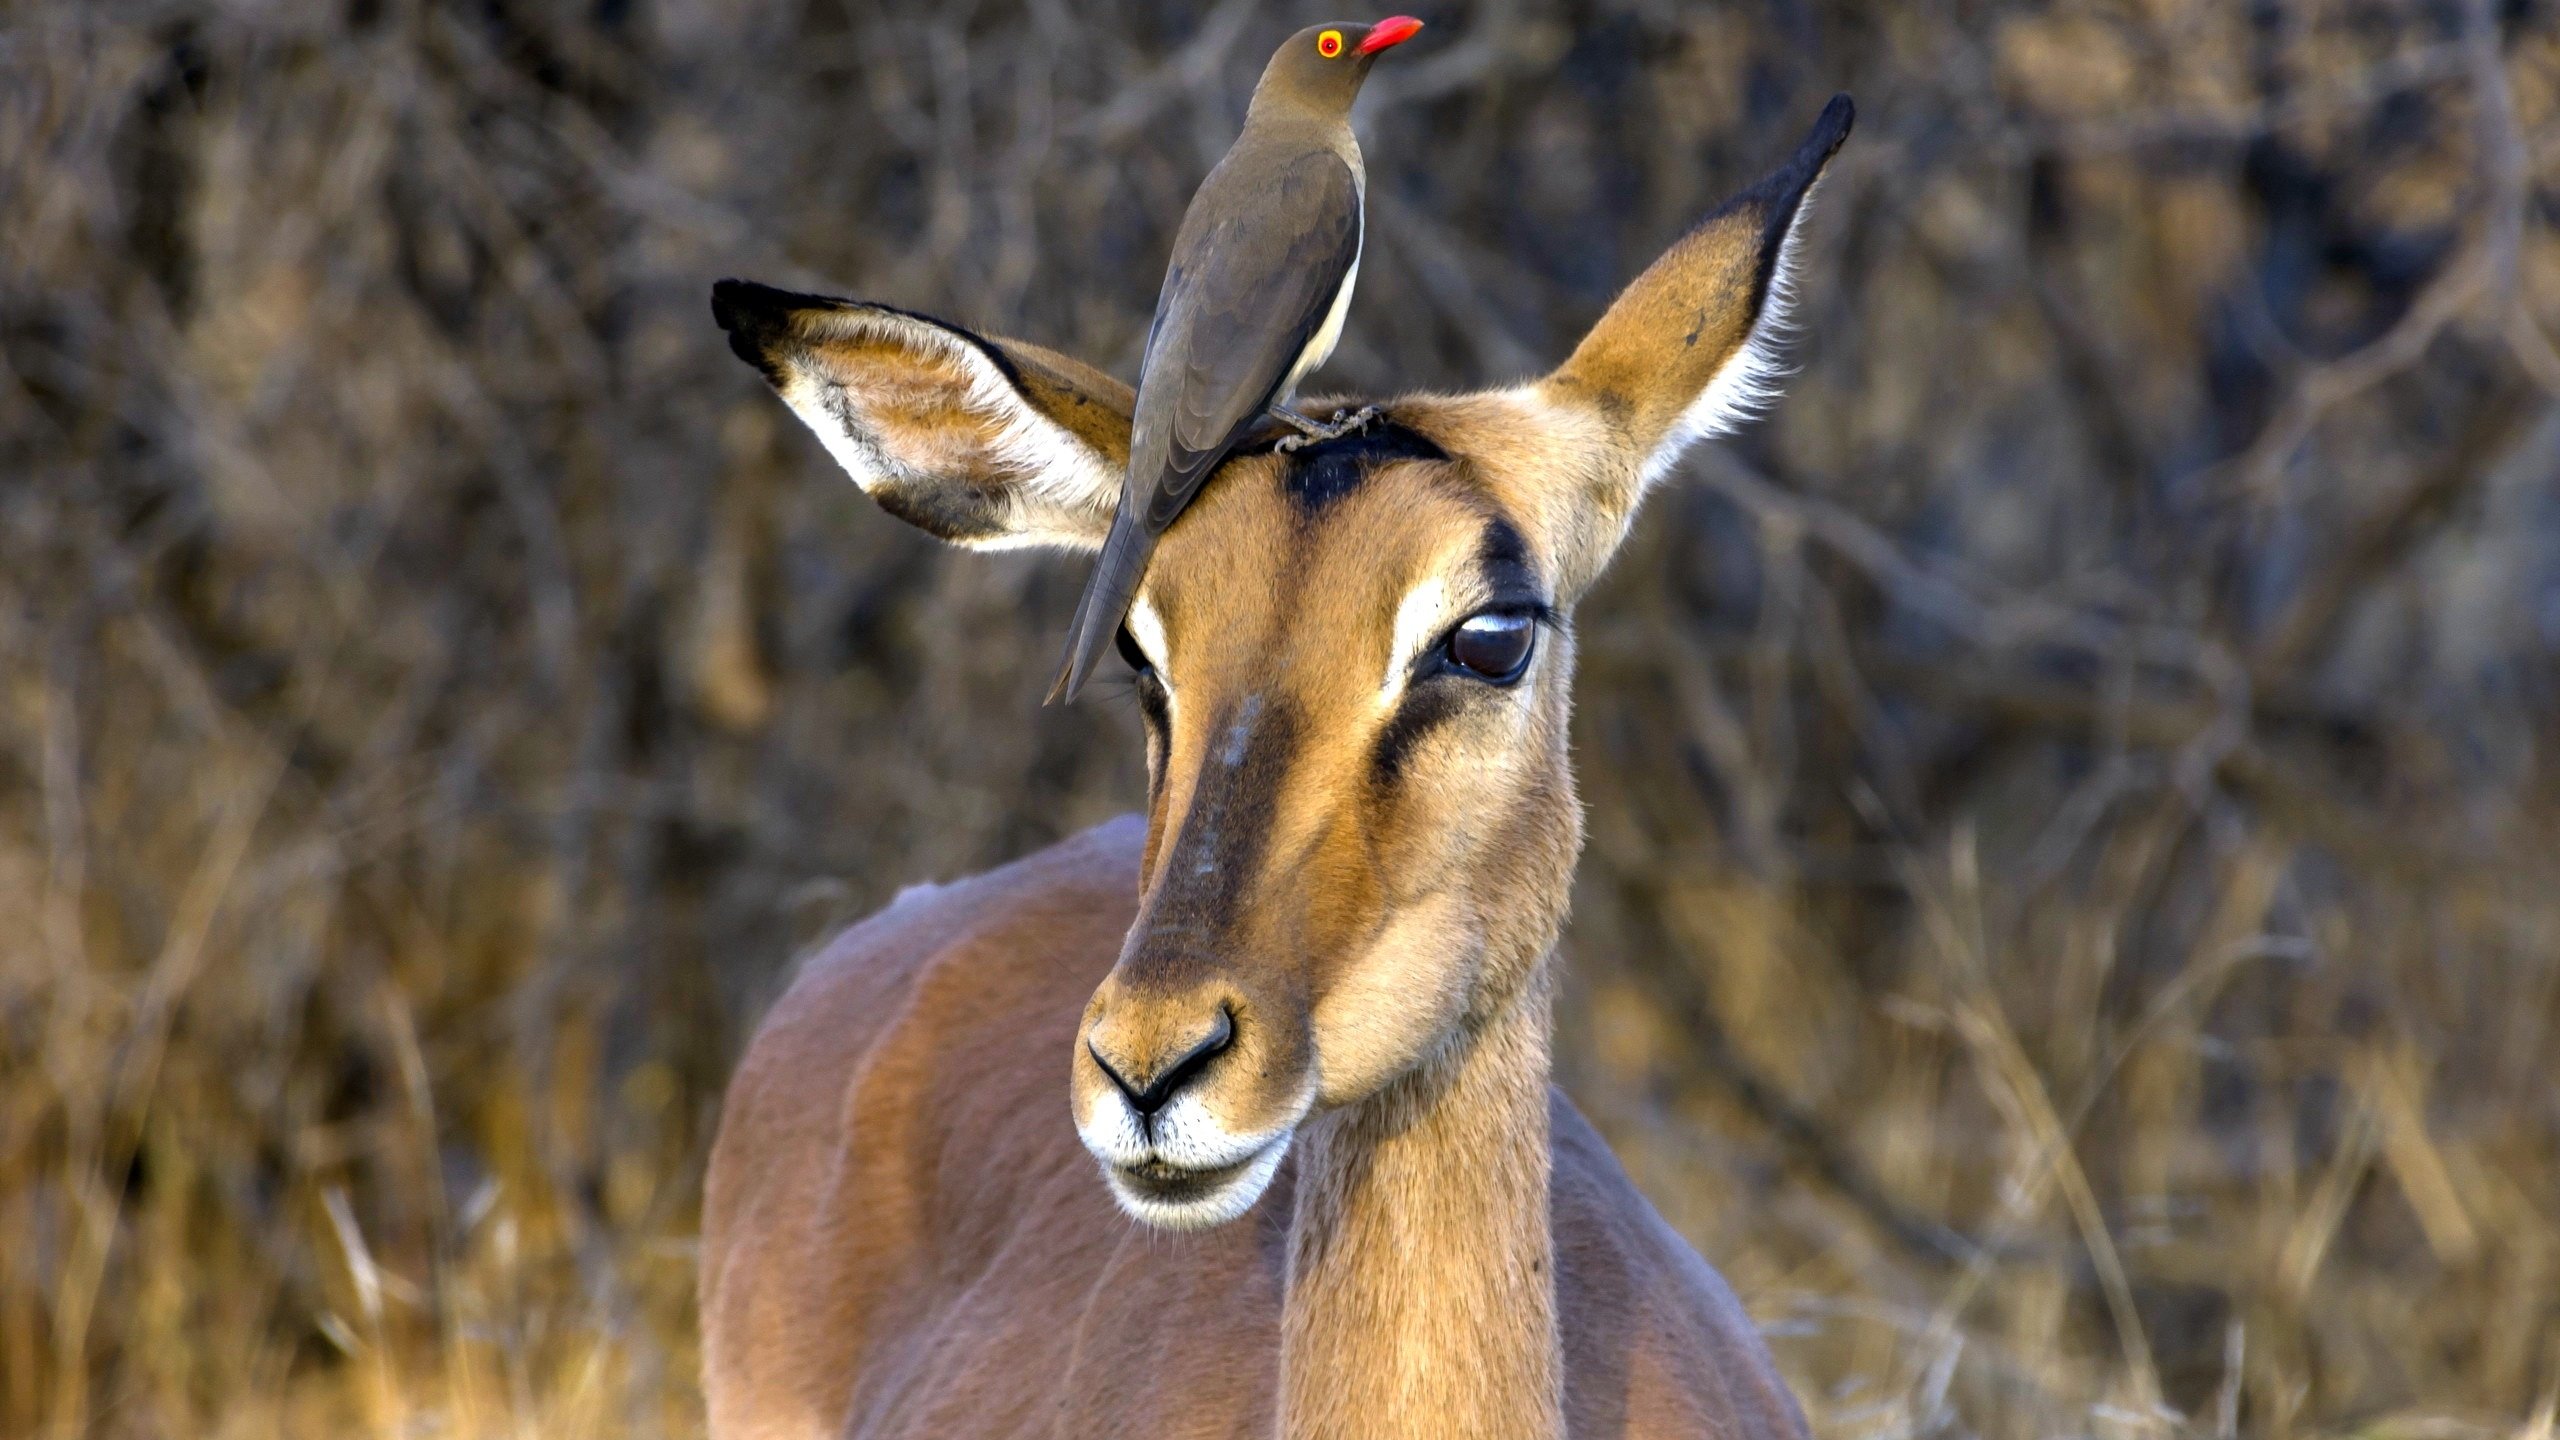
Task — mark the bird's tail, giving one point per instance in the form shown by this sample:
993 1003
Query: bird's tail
1105 604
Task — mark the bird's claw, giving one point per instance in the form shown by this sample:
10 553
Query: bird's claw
1353 422
1344 422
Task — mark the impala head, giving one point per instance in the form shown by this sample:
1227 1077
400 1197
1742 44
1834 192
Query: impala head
1353 663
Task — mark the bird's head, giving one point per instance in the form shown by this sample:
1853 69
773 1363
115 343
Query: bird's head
1322 66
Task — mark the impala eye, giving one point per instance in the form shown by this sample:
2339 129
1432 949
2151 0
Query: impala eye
1494 646
1129 651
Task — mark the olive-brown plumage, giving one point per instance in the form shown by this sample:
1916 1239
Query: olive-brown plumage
1253 299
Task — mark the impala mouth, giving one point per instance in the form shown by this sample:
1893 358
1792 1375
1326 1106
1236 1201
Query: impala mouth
1183 1197
1167 1184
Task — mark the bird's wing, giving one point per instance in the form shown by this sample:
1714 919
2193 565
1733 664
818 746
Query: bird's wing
1259 262
1248 290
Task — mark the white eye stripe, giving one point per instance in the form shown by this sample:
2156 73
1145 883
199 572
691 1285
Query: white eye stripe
1420 616
1147 628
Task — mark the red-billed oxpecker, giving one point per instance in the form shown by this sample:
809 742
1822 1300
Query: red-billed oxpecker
1253 300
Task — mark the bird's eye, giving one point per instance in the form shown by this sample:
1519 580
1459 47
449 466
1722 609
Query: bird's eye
1494 646
1329 44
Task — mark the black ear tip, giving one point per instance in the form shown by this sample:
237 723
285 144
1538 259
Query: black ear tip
745 305
746 302
1831 129
1789 182
755 316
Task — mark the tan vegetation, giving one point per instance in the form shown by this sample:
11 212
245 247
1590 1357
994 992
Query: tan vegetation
2072 924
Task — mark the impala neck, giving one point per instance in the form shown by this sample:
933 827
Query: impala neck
1422 1293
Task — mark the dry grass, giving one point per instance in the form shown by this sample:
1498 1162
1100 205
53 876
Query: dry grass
2072 924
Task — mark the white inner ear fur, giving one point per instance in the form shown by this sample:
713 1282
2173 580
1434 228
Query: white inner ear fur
1058 490
1746 385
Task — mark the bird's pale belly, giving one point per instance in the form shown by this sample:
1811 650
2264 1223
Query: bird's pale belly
1328 334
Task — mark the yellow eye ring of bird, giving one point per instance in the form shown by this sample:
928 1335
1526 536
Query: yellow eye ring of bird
1329 44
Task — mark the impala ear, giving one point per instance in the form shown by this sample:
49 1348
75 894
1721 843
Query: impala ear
1690 349
984 442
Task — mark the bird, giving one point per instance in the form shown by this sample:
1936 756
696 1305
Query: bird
1253 299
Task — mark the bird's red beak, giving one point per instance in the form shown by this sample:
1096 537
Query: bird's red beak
1394 30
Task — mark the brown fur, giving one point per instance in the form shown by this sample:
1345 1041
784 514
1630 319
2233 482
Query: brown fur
903 1238
1348 889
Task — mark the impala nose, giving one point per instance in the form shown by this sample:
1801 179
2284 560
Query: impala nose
1149 1084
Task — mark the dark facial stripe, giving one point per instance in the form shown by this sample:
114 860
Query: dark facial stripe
1159 728
1428 703
1151 704
1223 842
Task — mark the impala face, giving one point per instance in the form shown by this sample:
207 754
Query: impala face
1353 669
1352 661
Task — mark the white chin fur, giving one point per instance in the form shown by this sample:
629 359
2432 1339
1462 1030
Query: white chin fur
1184 1138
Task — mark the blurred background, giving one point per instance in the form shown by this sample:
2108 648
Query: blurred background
2072 917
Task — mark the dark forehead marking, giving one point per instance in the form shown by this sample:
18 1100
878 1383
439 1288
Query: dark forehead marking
1318 475
1503 556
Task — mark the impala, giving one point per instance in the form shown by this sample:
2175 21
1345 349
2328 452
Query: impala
1302 1007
